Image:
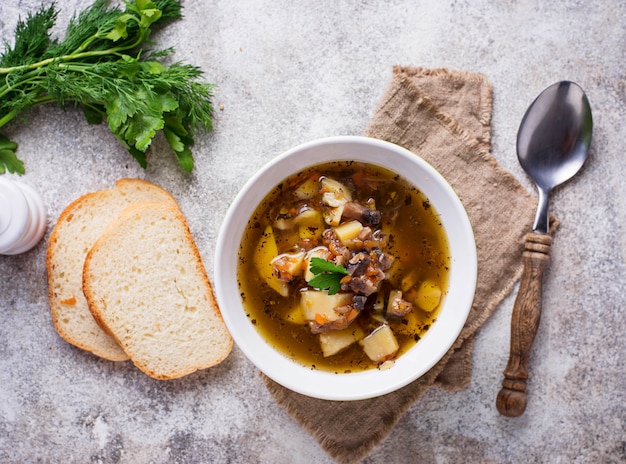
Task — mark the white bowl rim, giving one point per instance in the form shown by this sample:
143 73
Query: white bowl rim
437 340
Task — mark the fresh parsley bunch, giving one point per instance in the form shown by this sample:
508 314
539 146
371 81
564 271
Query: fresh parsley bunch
101 67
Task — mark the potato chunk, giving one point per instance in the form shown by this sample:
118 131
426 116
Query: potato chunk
318 304
265 251
338 340
348 231
409 280
310 224
307 189
428 295
381 344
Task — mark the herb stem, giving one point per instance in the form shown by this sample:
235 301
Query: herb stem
27 79
8 117
115 51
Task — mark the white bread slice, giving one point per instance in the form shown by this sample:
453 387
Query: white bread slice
144 280
77 229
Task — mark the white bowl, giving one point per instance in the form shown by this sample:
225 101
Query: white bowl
437 340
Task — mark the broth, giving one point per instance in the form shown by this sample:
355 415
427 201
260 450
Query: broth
398 251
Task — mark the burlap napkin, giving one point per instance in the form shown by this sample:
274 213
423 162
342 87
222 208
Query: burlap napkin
444 117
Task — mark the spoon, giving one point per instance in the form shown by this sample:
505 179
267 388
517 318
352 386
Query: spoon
552 145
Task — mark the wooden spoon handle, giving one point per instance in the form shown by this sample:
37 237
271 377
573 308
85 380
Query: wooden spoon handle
511 399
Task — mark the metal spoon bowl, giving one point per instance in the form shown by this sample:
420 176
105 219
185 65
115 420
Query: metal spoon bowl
552 145
553 140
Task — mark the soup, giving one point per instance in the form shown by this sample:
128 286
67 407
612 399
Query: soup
343 267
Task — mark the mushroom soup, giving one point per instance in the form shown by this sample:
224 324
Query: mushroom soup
343 267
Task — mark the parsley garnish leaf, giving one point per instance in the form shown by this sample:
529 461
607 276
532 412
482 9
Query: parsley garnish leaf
326 275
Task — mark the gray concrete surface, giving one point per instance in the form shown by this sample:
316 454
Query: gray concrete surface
289 72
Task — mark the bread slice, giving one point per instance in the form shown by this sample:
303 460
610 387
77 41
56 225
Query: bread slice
144 280
77 229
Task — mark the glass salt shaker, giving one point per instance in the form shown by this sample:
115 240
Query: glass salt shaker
23 217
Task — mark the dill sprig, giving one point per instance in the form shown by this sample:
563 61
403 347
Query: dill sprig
100 66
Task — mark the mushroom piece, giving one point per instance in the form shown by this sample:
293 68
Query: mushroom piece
398 307
365 215
364 274
385 260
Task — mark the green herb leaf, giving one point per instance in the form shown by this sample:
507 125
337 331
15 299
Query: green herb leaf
120 30
319 265
8 160
32 38
326 275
